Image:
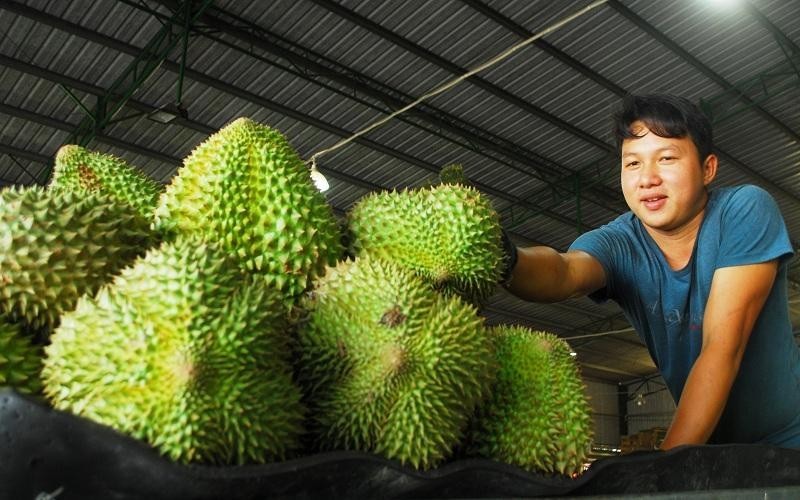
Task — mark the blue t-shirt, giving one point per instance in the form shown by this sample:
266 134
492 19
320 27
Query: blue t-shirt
741 225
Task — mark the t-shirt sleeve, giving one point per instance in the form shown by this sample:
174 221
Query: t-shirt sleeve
604 245
753 230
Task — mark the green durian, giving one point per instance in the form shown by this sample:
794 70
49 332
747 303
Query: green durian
247 190
453 173
56 246
389 365
184 352
81 170
448 234
537 416
20 360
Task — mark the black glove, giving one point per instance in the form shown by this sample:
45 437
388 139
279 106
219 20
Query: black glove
509 259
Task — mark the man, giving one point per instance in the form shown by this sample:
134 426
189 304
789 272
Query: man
701 274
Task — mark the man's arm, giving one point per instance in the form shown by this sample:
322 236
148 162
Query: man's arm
736 298
542 274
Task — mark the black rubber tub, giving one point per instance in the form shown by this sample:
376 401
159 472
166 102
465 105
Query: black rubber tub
48 454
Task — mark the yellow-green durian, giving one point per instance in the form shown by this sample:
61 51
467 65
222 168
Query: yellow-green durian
247 190
537 416
184 351
79 169
389 365
448 234
20 360
56 246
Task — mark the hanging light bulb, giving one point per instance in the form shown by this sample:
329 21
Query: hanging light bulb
318 179
640 399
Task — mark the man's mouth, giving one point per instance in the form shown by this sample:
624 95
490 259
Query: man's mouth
654 202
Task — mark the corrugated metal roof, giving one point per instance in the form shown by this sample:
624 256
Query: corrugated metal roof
522 128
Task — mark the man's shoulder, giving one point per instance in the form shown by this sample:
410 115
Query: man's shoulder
620 231
741 193
744 201
624 225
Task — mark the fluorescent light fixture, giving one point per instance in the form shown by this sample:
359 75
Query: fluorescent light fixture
319 180
724 3
167 113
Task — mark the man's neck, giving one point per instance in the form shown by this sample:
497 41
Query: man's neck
678 245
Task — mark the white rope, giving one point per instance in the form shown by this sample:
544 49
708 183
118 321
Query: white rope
600 334
453 83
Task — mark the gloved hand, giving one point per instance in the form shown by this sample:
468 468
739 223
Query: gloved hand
510 259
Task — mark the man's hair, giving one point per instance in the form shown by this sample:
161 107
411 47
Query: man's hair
666 116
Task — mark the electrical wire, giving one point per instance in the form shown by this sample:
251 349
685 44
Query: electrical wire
447 86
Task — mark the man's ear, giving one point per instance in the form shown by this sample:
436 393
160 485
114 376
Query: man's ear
709 169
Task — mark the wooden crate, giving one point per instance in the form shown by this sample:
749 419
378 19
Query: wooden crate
648 439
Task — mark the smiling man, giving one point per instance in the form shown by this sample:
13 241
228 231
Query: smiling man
700 273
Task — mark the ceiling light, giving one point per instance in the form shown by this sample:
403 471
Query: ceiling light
640 399
724 3
168 113
573 353
319 180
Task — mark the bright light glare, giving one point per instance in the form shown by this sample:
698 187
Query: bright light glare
319 180
724 3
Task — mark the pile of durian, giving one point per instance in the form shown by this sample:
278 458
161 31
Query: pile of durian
229 318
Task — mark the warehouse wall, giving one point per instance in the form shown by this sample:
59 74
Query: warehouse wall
656 411
657 408
605 411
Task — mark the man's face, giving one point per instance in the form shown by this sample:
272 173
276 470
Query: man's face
663 179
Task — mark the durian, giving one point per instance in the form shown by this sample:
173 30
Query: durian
247 190
453 174
448 234
389 365
537 416
20 360
80 170
56 246
185 353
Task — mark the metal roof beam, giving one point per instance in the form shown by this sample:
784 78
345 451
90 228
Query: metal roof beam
23 153
73 83
59 125
14 153
708 72
551 50
69 127
276 107
134 75
611 86
66 26
756 175
25 169
317 68
787 45
608 84
445 64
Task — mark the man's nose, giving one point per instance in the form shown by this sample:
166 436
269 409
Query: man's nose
649 175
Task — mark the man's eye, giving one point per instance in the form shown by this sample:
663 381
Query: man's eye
667 158
632 164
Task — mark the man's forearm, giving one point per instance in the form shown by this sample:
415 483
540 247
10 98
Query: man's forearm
539 275
735 301
703 399
542 274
